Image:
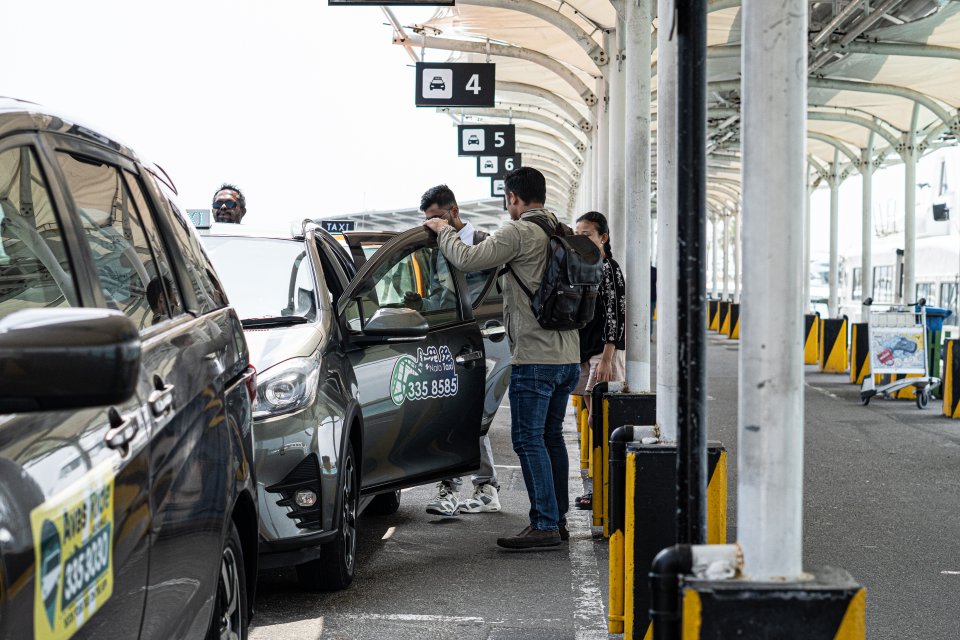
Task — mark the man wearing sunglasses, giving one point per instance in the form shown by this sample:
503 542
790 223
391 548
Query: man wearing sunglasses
229 205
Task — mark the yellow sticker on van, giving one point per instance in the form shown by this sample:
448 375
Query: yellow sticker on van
73 549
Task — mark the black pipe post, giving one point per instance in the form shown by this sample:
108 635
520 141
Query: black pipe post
691 33
665 572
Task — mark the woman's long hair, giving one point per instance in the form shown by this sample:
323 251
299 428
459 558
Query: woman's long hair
600 222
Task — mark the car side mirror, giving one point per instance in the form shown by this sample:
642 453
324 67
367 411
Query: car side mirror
67 358
396 325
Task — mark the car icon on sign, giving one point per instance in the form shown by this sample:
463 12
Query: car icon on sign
488 164
473 139
438 83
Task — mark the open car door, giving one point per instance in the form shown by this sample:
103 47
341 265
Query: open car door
418 357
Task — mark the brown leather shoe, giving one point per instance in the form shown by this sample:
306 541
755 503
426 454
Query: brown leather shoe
530 538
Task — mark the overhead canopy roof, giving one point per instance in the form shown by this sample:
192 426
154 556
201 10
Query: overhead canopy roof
870 66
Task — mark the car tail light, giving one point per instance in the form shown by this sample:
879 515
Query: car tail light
251 383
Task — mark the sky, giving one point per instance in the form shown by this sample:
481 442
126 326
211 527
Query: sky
308 108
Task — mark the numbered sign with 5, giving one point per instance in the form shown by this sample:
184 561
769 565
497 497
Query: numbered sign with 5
486 140
455 84
497 166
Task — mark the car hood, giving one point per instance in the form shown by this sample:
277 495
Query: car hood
270 346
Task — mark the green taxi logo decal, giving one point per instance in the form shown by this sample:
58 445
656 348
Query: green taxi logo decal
73 548
430 375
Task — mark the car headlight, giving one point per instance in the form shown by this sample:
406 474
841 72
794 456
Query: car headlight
286 387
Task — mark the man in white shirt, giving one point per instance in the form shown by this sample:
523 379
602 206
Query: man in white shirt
439 202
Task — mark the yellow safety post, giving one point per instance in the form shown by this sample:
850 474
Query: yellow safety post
583 419
951 380
859 352
734 323
811 344
725 317
833 345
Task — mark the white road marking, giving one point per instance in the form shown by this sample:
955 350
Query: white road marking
411 617
950 573
508 466
389 533
588 616
310 629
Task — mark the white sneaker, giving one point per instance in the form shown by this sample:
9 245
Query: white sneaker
485 499
446 503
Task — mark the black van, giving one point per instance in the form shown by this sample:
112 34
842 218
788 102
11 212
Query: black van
127 502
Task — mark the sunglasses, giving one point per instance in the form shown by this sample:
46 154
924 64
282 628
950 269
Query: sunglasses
229 204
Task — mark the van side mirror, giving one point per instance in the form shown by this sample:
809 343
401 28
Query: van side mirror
67 358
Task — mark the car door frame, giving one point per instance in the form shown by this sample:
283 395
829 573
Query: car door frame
399 242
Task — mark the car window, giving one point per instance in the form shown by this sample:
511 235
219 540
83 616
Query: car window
169 304
130 274
279 283
34 265
421 279
206 285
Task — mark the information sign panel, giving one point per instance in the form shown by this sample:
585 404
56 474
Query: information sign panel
486 139
496 187
455 84
497 166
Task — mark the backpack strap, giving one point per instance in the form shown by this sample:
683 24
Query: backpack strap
541 222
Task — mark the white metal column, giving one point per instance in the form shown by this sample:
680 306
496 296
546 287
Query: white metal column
866 231
616 77
714 249
910 157
834 299
667 265
808 192
603 161
736 253
635 232
727 214
770 423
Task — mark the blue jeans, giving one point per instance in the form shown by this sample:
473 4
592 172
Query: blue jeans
538 403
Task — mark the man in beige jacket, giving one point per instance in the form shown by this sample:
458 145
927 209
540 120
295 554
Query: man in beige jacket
545 363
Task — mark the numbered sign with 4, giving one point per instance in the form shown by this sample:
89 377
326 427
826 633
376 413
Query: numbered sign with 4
455 84
496 166
486 140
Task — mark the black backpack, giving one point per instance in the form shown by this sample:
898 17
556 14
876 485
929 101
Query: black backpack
568 289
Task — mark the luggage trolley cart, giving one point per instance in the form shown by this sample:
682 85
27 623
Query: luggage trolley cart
898 345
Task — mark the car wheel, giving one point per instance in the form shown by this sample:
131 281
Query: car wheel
334 569
384 504
230 608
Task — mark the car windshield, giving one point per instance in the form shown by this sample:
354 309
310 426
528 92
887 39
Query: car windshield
266 278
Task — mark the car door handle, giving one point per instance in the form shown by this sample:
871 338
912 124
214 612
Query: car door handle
493 330
467 357
161 401
122 430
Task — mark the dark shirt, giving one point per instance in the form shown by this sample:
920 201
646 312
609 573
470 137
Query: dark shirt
609 317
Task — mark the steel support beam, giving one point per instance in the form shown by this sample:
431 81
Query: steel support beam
691 36
833 304
565 107
667 261
866 230
635 231
602 137
616 81
770 422
910 157
570 28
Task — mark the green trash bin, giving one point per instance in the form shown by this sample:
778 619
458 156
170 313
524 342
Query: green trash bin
935 318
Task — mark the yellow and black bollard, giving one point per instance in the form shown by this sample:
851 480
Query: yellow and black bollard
725 317
650 520
713 315
811 341
859 352
734 333
619 439
833 345
951 380
830 606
